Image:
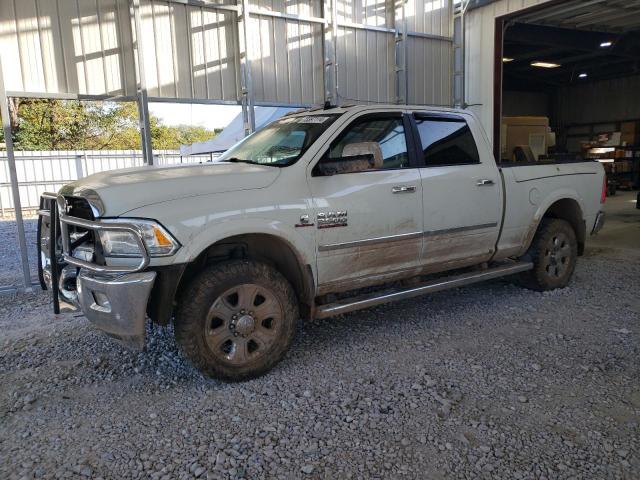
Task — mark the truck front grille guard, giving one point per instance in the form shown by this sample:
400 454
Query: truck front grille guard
54 207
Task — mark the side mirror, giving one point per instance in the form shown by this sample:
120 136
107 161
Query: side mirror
335 166
356 157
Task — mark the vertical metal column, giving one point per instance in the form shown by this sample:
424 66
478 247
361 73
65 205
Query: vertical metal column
452 58
15 191
246 81
330 46
463 54
400 38
141 94
405 51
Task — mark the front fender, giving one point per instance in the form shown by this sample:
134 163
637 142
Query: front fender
199 223
213 233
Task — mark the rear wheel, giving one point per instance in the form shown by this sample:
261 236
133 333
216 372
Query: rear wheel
554 253
237 319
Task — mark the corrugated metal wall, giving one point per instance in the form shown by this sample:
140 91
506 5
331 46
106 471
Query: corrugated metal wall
429 58
605 101
286 54
194 51
62 46
428 82
366 58
480 53
189 51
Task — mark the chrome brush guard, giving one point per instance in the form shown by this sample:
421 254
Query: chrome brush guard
58 251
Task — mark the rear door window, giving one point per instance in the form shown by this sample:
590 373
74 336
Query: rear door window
446 141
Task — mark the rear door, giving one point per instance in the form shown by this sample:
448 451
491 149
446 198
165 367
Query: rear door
462 195
369 221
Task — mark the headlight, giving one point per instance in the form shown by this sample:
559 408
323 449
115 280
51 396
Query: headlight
116 243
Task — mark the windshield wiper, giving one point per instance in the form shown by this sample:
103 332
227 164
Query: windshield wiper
252 162
238 160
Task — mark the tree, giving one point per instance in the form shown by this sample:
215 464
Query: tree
44 124
169 138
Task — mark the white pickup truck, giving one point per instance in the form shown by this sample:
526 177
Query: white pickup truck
319 213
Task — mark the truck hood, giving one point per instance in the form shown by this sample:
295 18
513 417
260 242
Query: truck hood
115 192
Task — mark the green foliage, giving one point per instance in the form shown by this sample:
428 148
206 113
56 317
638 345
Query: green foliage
165 137
42 124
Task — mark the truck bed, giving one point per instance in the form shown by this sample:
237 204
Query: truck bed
530 189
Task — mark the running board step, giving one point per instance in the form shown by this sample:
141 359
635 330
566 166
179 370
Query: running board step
365 301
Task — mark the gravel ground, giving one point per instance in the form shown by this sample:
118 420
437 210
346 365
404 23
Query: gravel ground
11 271
490 381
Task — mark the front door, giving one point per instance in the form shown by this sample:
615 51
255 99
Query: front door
368 203
461 190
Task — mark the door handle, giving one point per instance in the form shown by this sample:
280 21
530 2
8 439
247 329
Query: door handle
484 182
403 189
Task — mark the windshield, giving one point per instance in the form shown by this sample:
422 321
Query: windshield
280 143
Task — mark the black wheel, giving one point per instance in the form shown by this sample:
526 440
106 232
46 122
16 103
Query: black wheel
236 320
554 253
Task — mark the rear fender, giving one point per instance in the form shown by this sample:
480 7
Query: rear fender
544 208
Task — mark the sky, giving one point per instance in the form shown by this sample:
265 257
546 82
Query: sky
209 116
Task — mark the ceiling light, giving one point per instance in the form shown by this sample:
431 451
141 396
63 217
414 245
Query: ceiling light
545 64
606 44
583 75
507 59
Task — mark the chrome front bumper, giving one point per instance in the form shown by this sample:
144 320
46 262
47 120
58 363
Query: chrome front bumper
113 298
598 224
117 305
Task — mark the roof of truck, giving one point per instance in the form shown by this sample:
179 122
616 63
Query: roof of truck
374 107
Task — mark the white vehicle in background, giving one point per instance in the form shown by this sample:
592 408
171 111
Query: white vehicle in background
320 213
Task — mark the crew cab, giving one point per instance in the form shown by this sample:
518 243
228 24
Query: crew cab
320 213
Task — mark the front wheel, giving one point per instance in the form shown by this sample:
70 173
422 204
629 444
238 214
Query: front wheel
554 253
236 320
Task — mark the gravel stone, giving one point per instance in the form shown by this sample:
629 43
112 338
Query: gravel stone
308 469
425 388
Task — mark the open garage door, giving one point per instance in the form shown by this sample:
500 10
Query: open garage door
570 73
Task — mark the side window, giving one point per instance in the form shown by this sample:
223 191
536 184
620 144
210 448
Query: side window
447 141
377 143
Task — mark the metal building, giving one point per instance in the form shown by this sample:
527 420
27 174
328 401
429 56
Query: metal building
191 50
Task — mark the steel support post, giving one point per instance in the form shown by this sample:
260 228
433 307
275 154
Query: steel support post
13 175
145 126
246 81
405 51
400 53
463 54
330 45
141 94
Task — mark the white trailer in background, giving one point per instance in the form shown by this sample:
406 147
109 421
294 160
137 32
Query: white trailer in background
234 132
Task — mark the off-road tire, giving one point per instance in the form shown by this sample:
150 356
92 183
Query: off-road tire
198 301
544 275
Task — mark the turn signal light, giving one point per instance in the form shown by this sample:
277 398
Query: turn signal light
603 196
